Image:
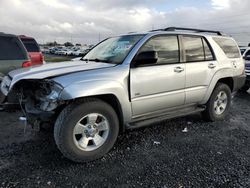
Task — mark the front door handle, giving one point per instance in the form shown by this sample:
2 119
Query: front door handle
178 69
211 66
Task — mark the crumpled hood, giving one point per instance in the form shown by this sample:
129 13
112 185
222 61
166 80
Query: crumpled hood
54 69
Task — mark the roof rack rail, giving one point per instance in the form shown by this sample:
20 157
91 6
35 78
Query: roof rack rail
190 29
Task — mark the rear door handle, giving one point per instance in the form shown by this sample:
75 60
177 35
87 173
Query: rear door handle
178 69
211 66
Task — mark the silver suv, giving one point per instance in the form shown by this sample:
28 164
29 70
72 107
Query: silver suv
129 81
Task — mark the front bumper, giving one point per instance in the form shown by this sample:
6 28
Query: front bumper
239 82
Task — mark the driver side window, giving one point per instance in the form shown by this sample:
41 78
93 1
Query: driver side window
167 48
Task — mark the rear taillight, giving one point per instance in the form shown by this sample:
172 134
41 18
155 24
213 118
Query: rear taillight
26 64
41 58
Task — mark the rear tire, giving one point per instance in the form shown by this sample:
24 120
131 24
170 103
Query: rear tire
219 103
86 131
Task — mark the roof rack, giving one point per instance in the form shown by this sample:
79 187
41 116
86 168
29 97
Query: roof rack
189 29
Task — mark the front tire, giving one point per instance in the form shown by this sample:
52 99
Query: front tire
219 103
86 131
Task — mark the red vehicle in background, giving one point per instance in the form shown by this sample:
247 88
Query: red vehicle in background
33 50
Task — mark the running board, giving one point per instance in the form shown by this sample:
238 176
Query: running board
180 113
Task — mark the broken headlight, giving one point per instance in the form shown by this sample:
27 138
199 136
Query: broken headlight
49 96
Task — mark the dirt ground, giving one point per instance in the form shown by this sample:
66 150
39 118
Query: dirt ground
204 155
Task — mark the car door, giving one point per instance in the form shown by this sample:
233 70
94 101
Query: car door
156 87
200 67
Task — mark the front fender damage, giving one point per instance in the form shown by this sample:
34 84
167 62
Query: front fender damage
39 100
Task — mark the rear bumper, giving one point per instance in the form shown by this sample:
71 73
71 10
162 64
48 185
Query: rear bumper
239 82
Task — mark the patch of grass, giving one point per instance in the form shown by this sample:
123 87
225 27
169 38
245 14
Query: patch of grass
57 59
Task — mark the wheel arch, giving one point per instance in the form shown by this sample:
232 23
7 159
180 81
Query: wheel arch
222 76
228 81
113 101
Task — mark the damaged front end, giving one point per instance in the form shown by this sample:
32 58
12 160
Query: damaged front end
39 100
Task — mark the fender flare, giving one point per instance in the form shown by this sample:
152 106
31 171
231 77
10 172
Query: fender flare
220 74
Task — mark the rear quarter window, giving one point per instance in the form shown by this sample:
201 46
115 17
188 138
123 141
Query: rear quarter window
11 49
229 47
30 45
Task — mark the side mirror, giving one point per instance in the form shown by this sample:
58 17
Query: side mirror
247 57
146 58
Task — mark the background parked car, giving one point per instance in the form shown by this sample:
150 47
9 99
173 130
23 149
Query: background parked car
13 55
33 50
81 52
45 50
245 51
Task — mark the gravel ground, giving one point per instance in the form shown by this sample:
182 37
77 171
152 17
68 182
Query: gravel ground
203 155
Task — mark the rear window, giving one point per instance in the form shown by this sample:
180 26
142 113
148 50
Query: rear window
30 45
229 47
11 49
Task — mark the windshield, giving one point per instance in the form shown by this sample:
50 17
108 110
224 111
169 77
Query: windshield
113 50
242 51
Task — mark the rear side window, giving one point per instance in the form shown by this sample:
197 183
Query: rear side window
167 48
193 47
229 47
11 49
207 50
30 45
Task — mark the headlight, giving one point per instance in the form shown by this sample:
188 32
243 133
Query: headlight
50 101
56 90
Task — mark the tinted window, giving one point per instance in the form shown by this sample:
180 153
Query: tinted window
242 51
229 47
248 53
30 45
207 50
167 48
193 49
10 49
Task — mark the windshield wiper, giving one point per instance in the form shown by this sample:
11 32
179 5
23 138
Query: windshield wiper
97 60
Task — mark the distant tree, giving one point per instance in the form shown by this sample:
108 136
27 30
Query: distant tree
67 44
78 45
52 43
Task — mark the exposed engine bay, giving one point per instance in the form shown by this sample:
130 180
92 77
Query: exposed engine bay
39 99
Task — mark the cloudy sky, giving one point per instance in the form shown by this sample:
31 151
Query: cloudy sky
85 21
